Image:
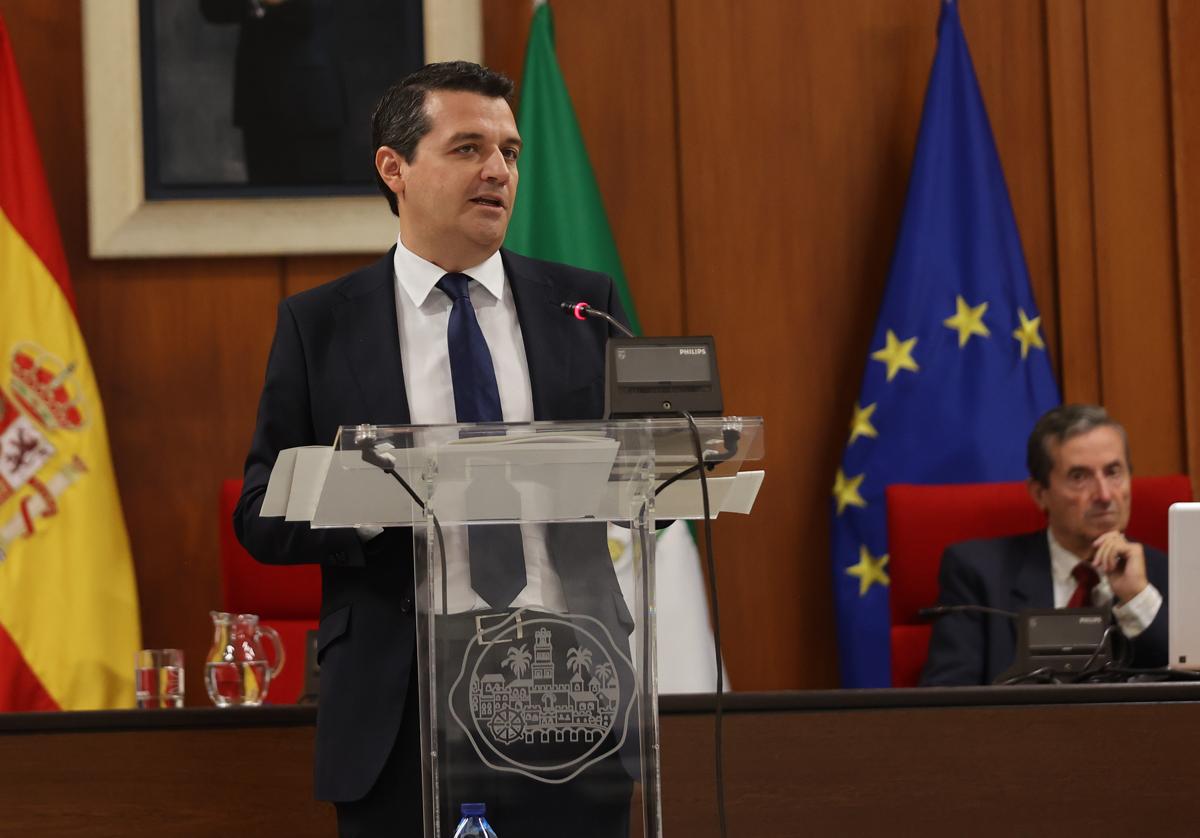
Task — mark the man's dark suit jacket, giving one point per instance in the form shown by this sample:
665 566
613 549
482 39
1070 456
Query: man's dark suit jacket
335 361
1010 573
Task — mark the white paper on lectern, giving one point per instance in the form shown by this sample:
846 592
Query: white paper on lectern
734 494
311 465
355 492
279 487
539 477
275 499
555 478
681 499
741 497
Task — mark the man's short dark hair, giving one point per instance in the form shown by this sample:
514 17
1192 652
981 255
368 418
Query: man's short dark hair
1063 423
400 120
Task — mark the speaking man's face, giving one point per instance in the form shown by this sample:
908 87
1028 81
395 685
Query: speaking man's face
1089 491
457 193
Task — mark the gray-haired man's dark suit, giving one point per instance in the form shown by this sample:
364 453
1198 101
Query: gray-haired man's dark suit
1010 573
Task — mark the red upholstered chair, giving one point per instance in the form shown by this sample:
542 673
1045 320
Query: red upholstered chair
285 597
924 520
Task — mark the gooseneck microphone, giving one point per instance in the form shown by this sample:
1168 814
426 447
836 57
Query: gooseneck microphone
942 610
582 311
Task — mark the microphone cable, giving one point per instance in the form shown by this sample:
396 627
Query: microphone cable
942 610
1086 671
718 702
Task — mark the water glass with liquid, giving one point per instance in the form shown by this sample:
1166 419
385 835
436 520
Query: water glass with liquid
158 678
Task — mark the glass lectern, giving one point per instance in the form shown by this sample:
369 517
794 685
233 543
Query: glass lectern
537 676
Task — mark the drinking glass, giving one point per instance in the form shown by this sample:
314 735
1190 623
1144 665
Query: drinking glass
158 678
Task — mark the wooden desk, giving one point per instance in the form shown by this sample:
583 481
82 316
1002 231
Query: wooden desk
971 761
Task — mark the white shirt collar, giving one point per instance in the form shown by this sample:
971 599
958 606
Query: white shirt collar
1062 560
418 276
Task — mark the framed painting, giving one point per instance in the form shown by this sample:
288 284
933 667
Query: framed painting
241 127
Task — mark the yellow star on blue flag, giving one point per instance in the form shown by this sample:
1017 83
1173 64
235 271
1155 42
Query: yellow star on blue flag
869 570
845 489
861 425
896 354
1027 333
967 320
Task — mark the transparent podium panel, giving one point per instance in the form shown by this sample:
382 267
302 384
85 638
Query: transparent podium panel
536 674
534 706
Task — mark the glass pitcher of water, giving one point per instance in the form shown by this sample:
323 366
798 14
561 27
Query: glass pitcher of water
237 672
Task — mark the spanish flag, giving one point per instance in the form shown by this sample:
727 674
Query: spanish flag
68 600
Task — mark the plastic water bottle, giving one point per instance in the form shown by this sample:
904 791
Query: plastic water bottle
473 823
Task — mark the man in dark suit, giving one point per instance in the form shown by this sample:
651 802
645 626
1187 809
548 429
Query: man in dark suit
379 346
1079 474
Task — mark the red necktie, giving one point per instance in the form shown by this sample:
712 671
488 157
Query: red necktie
1087 578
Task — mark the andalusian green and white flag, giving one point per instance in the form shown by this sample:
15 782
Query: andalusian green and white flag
559 216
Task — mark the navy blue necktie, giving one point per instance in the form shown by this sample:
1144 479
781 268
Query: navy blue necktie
496 555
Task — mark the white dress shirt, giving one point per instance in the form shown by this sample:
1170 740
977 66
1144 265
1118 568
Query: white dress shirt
1133 617
423 315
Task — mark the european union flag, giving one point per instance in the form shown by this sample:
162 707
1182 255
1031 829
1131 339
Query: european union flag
958 372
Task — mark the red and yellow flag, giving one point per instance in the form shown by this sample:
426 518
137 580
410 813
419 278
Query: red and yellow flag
68 600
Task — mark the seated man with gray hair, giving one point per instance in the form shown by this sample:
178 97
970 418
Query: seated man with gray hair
1080 476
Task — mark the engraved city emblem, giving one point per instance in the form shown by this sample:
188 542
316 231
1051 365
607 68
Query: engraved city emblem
39 411
546 696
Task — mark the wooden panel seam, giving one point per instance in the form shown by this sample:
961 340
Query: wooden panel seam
678 142
1073 199
1174 204
1089 125
1175 20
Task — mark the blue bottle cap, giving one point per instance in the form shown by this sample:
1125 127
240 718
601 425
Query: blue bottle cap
473 810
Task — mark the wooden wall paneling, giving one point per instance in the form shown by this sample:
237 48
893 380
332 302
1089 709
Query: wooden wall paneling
505 33
1136 272
1183 19
177 347
797 125
1008 48
616 60
301 273
1074 217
